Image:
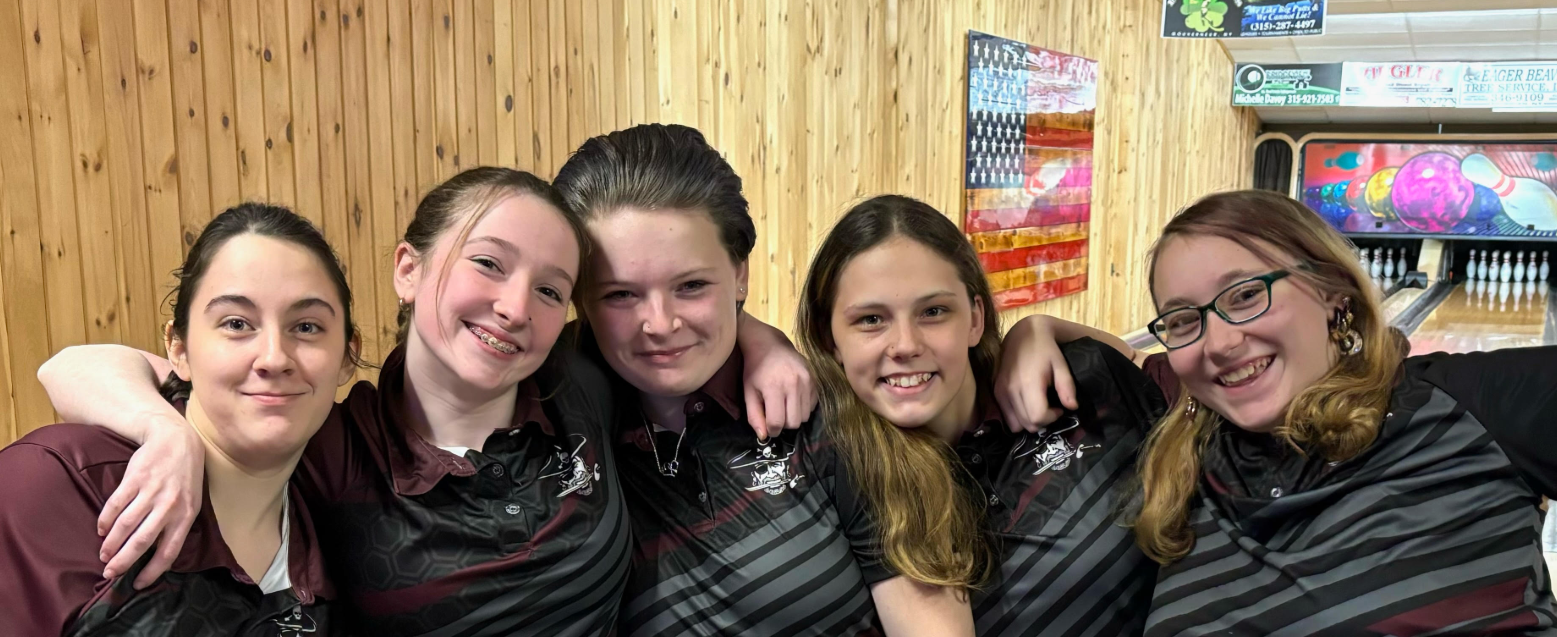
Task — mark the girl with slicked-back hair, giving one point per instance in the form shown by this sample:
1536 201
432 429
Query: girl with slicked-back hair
735 533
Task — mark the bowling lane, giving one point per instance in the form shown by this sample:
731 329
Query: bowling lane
1484 316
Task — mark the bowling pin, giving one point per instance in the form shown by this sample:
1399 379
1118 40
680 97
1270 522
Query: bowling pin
1519 268
1546 266
1389 263
1506 271
1362 258
1481 266
1528 202
1400 266
1377 267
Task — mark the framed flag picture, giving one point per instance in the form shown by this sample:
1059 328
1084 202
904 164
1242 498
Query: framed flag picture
1028 170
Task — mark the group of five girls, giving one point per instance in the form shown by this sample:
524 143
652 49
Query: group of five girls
656 468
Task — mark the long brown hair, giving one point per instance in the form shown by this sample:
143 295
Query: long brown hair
931 527
1336 417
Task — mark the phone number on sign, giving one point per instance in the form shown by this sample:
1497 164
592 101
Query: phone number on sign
1284 25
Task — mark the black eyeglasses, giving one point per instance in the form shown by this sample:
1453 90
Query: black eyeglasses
1241 302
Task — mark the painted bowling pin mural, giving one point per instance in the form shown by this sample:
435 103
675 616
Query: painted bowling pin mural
1444 189
1527 201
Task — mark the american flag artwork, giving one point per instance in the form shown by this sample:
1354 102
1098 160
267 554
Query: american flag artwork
1028 173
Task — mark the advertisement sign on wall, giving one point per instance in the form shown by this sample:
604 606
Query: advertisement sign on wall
1242 18
1400 84
1509 85
1287 85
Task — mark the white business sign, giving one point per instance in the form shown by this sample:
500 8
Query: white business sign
1418 84
1509 85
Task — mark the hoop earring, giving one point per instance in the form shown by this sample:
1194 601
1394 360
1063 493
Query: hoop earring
1344 335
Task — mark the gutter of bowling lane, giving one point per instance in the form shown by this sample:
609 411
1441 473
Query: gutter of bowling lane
1411 318
1549 331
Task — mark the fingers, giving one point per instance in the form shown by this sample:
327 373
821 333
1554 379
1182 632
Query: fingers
777 414
1065 386
794 409
125 527
114 507
136 546
807 399
167 551
755 415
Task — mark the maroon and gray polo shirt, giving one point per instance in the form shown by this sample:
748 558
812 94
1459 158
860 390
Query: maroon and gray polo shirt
1068 565
745 539
1434 529
51 580
528 536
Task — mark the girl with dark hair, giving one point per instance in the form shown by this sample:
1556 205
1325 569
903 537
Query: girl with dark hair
734 533
1313 479
260 339
472 492
903 335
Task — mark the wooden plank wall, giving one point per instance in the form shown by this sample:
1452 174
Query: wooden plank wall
125 125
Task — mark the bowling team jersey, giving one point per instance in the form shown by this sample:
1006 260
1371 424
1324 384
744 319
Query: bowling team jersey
51 579
527 536
1068 566
746 538
1433 530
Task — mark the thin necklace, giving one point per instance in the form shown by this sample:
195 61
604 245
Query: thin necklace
668 469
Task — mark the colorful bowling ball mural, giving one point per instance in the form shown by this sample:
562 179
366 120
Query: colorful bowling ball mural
1430 194
1378 189
1433 189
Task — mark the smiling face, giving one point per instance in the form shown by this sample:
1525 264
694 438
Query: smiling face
902 323
489 309
1250 372
665 305
264 350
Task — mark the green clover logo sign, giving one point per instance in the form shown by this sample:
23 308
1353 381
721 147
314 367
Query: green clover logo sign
1204 15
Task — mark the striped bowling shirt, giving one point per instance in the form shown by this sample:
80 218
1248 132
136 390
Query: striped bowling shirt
1068 567
1433 530
745 539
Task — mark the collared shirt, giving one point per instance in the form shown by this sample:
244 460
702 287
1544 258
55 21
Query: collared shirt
745 539
52 580
528 536
1068 567
1433 529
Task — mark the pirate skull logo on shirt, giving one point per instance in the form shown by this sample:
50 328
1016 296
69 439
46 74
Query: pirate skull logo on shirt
575 475
295 623
770 471
1052 450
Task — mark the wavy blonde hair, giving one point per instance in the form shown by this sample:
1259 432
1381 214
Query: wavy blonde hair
1337 417
931 527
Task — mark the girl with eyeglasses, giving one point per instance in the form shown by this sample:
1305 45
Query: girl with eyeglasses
1311 477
